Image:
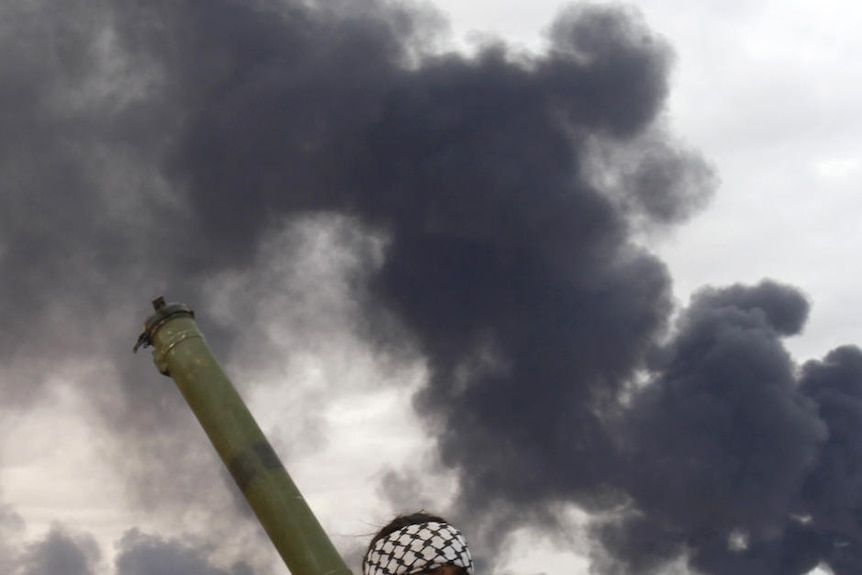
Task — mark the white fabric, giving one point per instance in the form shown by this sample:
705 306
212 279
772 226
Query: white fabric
417 548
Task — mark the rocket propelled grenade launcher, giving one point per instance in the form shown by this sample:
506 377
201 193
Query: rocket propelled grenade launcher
180 352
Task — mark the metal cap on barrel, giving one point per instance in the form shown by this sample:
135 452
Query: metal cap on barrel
164 312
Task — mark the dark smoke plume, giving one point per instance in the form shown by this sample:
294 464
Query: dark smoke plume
733 456
491 206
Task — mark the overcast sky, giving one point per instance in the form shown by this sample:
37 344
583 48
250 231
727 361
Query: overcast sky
92 482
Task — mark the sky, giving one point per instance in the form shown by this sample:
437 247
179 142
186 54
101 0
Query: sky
585 286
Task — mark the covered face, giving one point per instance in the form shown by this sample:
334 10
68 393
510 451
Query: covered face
419 548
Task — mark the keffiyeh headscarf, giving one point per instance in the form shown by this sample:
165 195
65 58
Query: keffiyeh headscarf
417 548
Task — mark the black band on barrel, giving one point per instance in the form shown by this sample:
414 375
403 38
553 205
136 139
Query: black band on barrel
247 465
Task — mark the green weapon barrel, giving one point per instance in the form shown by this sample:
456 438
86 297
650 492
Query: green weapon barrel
180 352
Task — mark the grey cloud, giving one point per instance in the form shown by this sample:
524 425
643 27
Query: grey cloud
142 554
61 552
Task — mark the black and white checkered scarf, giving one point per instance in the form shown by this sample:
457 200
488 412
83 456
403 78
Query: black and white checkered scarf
417 548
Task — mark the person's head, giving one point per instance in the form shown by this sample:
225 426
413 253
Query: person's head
417 544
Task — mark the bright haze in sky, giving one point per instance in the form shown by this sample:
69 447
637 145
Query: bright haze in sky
476 297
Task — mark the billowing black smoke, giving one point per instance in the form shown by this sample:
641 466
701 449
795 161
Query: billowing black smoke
736 458
150 146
